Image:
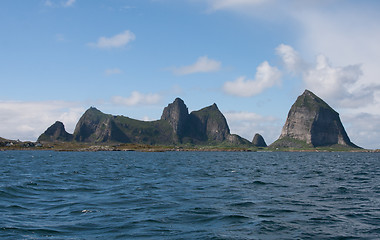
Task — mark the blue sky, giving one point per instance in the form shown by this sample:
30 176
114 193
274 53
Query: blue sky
133 57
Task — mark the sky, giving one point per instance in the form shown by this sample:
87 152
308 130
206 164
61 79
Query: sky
134 57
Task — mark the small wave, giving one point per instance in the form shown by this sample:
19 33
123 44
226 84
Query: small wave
16 207
243 204
258 182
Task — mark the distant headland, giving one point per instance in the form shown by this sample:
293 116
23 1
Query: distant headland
311 125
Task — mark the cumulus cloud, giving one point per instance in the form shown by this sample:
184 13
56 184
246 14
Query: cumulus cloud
27 120
247 124
291 59
113 71
202 65
266 77
117 41
137 98
336 84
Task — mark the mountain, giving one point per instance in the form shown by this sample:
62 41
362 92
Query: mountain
55 133
97 127
311 122
207 126
259 141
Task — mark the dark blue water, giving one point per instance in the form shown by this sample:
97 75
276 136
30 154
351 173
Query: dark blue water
189 195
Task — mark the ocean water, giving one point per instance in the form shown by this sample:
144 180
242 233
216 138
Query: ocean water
189 195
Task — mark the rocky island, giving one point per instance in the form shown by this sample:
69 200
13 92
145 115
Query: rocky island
311 122
205 127
311 125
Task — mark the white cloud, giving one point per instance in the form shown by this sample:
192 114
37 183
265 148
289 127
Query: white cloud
113 71
66 3
290 58
266 77
247 124
202 65
69 3
137 98
27 120
226 4
338 85
117 41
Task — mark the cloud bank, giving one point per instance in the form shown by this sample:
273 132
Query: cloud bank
27 120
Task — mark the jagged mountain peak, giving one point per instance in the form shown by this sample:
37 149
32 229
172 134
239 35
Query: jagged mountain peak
176 114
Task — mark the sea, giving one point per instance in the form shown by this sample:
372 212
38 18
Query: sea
189 195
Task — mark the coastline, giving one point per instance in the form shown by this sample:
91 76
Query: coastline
82 147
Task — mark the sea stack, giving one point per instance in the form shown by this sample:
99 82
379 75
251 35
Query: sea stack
258 141
311 122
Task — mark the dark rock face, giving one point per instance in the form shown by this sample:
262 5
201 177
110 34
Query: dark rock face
314 122
258 141
209 124
177 115
55 133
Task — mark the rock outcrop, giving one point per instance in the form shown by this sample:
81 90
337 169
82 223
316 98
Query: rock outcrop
177 115
258 141
208 124
312 123
55 133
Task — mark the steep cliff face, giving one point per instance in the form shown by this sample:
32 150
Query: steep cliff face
177 115
313 122
55 133
209 124
258 141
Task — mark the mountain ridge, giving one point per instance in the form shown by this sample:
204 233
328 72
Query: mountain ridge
206 126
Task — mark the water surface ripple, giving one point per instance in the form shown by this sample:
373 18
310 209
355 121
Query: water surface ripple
189 195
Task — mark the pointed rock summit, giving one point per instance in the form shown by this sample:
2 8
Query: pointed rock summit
176 114
55 133
312 122
258 141
210 124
